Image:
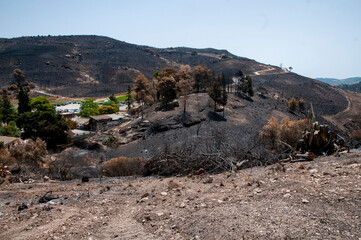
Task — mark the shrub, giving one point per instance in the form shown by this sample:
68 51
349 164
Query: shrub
122 166
302 104
291 131
288 131
72 124
30 153
270 133
13 87
110 141
292 104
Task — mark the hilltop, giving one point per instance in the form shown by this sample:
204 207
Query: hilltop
97 66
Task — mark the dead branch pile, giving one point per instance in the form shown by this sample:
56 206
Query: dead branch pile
173 164
320 141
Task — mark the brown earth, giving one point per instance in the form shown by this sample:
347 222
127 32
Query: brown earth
311 200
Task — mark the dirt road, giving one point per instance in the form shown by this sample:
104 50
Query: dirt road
313 200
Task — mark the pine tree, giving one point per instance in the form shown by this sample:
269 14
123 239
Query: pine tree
24 100
129 99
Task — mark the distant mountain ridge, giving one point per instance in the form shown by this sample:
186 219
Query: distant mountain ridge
336 81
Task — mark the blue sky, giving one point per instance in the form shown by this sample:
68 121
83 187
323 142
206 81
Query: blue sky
317 38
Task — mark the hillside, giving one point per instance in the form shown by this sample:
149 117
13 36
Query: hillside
355 87
336 81
89 66
98 66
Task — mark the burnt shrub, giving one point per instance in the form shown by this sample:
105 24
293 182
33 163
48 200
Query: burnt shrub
122 166
292 104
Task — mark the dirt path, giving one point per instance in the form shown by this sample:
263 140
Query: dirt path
264 71
312 200
352 111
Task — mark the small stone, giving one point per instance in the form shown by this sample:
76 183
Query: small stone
208 180
305 201
287 195
164 193
182 205
220 201
314 170
160 214
144 195
46 179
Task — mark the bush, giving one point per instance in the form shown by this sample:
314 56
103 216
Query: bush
72 124
31 153
302 104
288 131
110 141
122 166
292 104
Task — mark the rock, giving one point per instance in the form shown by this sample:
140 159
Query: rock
46 179
22 207
182 205
85 179
200 171
314 170
144 195
305 201
208 180
172 185
164 193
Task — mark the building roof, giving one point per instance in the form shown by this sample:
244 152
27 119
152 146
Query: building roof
8 140
101 117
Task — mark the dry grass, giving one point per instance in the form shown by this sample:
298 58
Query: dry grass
292 104
356 135
288 131
122 166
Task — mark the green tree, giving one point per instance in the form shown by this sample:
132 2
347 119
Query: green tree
89 108
167 89
109 109
41 104
10 130
47 125
7 111
113 99
43 122
24 101
129 99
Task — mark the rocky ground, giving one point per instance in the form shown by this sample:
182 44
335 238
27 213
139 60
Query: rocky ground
310 200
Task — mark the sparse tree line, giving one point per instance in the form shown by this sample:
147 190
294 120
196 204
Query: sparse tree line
170 84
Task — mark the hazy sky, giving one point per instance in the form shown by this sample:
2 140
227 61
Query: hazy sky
317 38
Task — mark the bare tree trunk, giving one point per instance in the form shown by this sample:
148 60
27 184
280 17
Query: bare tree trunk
184 103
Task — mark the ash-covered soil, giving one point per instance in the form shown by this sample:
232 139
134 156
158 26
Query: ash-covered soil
311 200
